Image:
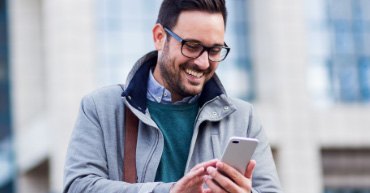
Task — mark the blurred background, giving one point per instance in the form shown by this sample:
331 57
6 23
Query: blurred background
304 64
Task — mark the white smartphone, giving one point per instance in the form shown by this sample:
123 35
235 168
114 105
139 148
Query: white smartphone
238 152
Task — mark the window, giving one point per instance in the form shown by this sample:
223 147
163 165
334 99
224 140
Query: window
349 61
346 170
123 36
340 50
236 71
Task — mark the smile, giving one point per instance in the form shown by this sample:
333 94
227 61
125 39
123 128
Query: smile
194 73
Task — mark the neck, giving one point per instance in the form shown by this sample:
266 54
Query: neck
157 76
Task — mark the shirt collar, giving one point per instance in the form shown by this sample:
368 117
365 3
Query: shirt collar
157 93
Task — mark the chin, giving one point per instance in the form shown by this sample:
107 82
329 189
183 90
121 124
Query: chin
194 91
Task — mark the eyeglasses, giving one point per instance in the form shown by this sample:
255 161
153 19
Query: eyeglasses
193 49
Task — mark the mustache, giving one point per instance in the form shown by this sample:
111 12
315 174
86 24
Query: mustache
195 67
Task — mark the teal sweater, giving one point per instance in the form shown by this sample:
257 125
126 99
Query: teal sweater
176 123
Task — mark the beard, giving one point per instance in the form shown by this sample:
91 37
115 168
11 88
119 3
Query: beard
172 74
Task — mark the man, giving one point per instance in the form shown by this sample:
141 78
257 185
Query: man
185 116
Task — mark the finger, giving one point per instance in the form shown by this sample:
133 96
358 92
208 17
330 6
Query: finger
192 178
205 164
207 191
231 172
250 168
212 186
197 174
223 181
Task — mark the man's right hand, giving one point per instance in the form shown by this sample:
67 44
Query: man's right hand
192 182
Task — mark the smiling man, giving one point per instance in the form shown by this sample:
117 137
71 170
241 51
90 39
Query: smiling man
200 37
183 117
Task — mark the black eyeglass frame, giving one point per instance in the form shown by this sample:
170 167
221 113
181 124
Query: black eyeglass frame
205 48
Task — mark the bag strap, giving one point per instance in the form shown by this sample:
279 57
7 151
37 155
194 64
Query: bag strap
131 123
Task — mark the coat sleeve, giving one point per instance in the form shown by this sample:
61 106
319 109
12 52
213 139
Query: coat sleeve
86 167
265 178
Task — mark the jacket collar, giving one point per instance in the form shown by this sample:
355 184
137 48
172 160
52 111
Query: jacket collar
137 84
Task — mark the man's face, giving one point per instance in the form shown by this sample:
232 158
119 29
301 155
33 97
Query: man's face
181 75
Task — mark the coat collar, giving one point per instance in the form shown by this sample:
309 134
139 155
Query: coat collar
137 84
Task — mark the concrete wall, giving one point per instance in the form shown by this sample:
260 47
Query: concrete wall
52 61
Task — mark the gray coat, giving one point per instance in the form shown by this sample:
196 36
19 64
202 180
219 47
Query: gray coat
95 154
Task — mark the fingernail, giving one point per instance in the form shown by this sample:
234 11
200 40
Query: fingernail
219 165
211 170
207 177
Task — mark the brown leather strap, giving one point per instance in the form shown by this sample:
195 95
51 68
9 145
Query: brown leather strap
129 162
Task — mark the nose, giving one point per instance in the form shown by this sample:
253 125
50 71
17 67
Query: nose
202 61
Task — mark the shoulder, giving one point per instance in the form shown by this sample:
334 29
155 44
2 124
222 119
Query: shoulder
244 110
241 105
105 96
107 91
245 115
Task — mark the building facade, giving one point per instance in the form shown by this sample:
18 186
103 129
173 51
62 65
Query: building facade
304 64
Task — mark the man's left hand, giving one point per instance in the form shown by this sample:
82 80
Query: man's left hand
225 178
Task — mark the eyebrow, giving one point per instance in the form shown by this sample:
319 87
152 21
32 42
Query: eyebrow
178 38
213 45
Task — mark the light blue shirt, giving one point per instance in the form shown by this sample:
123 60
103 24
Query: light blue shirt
157 93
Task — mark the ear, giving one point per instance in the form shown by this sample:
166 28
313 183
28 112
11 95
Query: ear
159 36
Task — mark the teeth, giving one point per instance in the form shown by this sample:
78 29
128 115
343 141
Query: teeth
194 73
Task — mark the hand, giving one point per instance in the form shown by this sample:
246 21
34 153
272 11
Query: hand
227 179
192 182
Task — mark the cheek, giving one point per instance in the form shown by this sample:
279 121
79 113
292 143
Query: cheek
174 58
213 67
181 59
180 62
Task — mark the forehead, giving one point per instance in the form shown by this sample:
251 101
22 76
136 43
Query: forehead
206 27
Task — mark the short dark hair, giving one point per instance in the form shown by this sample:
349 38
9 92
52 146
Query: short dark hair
171 9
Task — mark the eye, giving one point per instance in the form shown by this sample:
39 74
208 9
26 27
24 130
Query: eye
215 50
193 46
